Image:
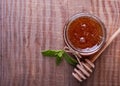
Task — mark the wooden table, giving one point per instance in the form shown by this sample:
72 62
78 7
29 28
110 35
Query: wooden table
29 26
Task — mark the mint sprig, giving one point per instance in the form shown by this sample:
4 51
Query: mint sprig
60 55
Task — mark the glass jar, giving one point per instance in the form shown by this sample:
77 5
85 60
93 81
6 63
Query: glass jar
84 33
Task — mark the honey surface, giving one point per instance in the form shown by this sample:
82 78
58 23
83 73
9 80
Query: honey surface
85 32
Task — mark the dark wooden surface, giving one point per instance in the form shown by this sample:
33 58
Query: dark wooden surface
29 26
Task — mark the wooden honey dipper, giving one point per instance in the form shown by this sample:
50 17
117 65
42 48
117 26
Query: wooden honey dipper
84 68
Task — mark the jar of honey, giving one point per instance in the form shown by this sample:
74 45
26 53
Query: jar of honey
85 33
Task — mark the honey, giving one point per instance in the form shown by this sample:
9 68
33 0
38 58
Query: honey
85 33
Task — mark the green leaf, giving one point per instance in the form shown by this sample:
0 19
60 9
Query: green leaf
50 53
59 57
54 53
60 53
58 60
69 59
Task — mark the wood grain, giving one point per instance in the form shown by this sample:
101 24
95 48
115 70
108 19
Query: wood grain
29 26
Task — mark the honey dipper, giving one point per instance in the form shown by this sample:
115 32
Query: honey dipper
84 68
